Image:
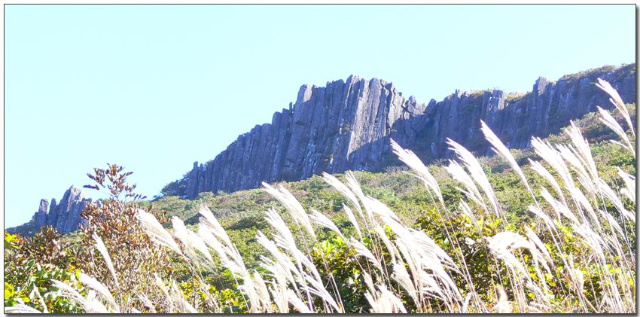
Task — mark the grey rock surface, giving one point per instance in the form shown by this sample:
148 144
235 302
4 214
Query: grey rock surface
64 216
347 125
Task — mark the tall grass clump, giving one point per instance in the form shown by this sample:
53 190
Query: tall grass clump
573 252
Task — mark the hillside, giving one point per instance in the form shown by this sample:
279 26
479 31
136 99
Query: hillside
545 229
501 249
462 237
347 125
242 213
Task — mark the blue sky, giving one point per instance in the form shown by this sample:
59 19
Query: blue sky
155 88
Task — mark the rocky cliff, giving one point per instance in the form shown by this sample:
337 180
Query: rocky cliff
346 125
64 216
515 118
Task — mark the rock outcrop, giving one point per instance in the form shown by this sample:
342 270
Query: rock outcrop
64 216
515 118
346 125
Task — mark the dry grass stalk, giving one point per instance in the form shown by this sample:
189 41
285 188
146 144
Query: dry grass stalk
503 306
610 122
384 301
504 243
542 171
630 185
105 255
617 102
582 150
89 303
582 203
21 309
412 160
419 266
297 303
499 148
352 183
353 220
343 189
155 231
300 216
324 221
584 178
553 158
476 172
101 289
465 209
393 251
363 251
559 207
147 303
459 174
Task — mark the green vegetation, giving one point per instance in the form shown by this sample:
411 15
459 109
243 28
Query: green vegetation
551 229
30 265
589 72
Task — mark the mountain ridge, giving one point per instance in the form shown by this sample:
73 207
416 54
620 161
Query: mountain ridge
347 124
370 113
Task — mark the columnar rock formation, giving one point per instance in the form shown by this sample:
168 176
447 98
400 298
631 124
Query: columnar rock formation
515 119
347 126
332 128
64 216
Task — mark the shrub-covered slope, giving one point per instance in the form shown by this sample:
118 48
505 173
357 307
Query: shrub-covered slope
551 229
348 125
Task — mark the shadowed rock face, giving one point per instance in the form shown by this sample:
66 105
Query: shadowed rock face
332 128
64 216
543 111
347 126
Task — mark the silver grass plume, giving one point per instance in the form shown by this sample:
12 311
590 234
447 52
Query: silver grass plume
89 303
384 301
630 185
616 101
476 172
155 231
190 240
458 173
343 189
583 150
21 309
503 306
610 122
412 160
499 148
300 216
542 171
322 220
353 220
100 288
553 158
105 254
353 184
